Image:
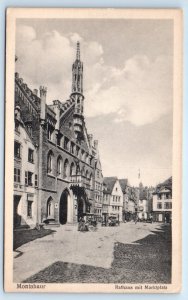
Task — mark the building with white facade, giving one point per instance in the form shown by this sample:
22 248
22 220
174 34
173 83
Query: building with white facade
113 197
162 202
25 175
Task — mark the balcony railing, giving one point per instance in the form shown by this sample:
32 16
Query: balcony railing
80 180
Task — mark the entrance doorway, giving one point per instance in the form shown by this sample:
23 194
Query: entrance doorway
16 217
63 208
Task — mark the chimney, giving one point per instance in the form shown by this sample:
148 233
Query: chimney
35 92
90 139
43 92
96 144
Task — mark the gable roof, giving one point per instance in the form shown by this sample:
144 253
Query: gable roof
123 183
109 183
167 183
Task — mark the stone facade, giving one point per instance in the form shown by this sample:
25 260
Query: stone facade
67 157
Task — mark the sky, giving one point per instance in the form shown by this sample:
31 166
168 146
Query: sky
128 85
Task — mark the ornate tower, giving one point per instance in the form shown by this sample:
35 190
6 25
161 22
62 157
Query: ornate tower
77 93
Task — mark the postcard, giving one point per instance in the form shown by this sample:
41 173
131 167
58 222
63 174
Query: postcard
93 150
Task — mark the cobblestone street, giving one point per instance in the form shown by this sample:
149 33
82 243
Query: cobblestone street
128 253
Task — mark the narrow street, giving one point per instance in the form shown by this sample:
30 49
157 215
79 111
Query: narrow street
128 253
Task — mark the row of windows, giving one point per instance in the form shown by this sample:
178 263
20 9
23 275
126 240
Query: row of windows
70 146
164 196
167 205
98 186
98 198
66 169
116 198
17 152
116 208
30 180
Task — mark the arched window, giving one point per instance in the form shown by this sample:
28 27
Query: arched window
65 170
72 169
87 174
59 166
83 171
91 181
77 169
50 208
49 162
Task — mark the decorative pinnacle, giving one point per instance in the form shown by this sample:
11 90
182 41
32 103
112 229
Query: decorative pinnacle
78 51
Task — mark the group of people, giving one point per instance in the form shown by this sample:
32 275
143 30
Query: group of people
87 225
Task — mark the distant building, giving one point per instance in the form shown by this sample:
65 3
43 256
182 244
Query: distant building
162 202
25 175
113 197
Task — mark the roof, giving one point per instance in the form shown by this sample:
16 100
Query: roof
123 183
143 195
167 183
109 183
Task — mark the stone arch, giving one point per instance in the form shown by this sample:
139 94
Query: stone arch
65 208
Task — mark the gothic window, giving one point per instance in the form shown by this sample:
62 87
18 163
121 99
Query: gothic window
77 151
72 148
91 181
72 169
50 208
66 143
59 165
50 132
77 170
65 169
49 162
59 140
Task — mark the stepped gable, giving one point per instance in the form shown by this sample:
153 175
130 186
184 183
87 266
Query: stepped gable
26 93
109 182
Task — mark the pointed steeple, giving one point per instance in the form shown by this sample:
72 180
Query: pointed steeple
77 73
78 51
77 93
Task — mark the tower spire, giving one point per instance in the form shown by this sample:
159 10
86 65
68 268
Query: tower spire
78 51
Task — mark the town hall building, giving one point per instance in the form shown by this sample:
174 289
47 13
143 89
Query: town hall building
67 161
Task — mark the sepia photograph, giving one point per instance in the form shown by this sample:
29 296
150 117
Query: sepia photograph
93 150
